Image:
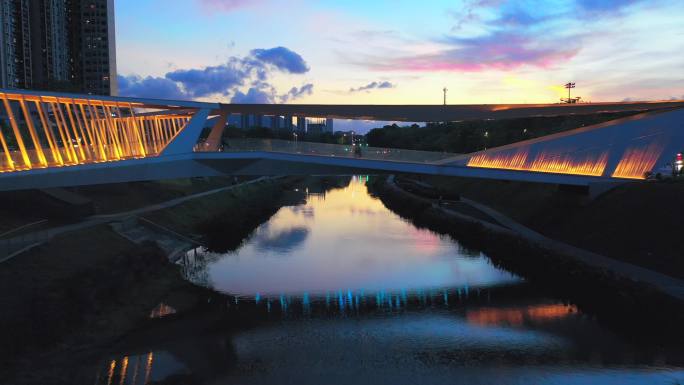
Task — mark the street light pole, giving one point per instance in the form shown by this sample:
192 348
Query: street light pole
569 86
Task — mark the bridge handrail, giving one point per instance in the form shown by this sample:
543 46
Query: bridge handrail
333 150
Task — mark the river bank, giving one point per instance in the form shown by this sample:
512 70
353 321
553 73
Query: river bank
85 289
338 287
637 222
333 281
223 220
636 309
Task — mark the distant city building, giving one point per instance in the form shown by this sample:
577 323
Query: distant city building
319 126
59 45
301 124
345 133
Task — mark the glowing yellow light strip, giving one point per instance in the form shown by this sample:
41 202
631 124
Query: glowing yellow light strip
637 161
100 134
66 139
8 156
52 141
87 135
32 132
17 133
571 164
46 131
80 135
138 133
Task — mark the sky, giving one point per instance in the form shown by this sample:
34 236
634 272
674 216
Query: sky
400 51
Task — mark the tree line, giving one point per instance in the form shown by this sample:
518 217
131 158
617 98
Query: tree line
470 136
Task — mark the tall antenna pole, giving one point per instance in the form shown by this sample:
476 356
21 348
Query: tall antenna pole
445 93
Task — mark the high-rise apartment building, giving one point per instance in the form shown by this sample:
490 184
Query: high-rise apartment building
60 45
93 49
15 44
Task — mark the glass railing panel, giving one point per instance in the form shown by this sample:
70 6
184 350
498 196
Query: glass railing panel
334 150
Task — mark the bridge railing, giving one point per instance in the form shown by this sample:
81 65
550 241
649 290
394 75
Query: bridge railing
334 150
63 152
47 131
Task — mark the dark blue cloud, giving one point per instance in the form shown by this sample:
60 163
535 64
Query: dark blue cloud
283 59
224 79
518 17
605 5
280 241
255 95
150 87
373 86
295 93
212 80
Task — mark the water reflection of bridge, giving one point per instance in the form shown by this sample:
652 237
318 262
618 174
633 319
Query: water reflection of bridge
53 140
491 325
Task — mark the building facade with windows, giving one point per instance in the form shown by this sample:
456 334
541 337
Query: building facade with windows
58 45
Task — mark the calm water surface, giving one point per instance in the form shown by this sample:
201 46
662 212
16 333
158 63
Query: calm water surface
340 290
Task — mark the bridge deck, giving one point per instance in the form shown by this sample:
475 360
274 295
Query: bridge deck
50 139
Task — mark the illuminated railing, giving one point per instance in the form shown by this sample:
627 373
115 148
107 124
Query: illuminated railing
639 159
588 162
49 131
334 150
634 161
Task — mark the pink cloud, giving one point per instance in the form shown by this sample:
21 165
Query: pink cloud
226 5
493 52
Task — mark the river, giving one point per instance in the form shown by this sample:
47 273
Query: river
340 290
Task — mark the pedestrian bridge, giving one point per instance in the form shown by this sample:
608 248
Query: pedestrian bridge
58 140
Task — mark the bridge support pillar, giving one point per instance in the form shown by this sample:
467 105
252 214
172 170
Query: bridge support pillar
214 139
275 123
301 124
186 140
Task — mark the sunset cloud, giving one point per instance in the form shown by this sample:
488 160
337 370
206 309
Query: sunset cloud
297 92
499 51
282 58
613 49
226 5
373 86
225 79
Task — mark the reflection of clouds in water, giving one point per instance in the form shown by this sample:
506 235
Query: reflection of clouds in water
364 211
305 211
281 241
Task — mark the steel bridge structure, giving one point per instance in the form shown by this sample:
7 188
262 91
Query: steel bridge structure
58 140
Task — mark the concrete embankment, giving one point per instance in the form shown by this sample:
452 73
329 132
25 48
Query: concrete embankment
613 297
